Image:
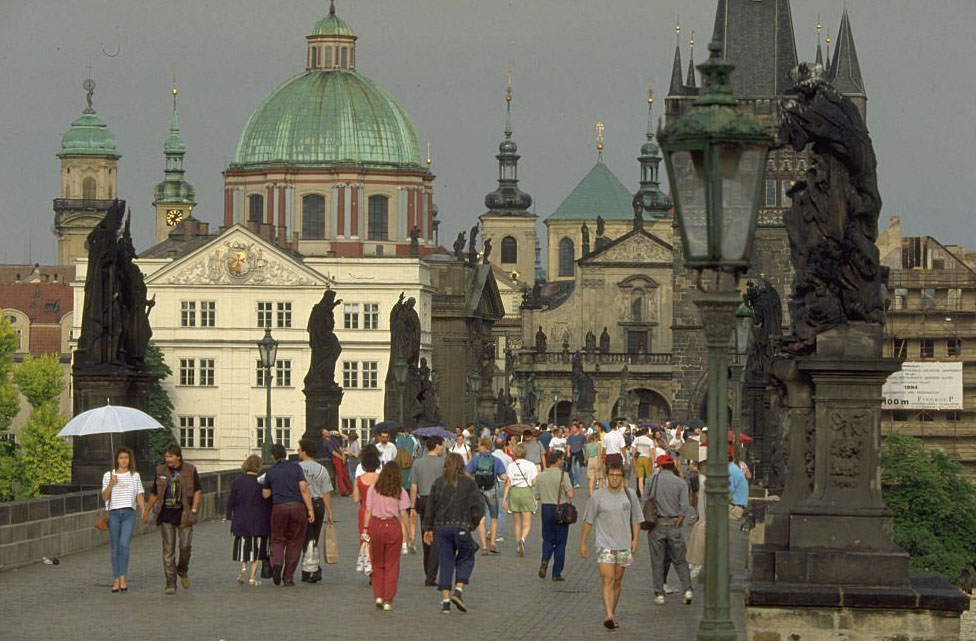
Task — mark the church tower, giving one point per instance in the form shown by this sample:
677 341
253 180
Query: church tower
508 222
89 180
656 204
174 198
845 70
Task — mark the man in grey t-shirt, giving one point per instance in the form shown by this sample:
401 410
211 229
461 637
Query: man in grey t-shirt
320 487
614 513
534 450
424 472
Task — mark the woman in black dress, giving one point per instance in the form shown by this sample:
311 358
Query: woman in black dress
250 516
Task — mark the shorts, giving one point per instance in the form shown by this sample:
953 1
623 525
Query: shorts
521 499
643 466
736 512
614 458
623 558
594 468
491 503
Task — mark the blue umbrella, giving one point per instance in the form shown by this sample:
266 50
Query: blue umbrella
391 426
434 431
605 424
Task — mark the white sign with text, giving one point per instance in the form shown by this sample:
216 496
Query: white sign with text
924 386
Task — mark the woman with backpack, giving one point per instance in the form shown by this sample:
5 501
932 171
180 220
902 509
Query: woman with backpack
519 498
486 469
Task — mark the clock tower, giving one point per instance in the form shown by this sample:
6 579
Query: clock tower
174 198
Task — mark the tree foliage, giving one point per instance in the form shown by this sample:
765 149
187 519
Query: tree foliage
40 380
42 457
160 405
934 505
9 401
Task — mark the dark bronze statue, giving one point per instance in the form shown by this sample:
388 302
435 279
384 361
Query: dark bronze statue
605 341
459 243
530 397
767 324
323 341
638 205
414 240
584 391
540 341
833 223
472 246
504 412
115 329
405 352
486 250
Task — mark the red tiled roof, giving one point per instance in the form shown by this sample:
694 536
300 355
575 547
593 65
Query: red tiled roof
43 303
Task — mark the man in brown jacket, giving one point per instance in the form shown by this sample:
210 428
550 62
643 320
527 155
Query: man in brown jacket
177 489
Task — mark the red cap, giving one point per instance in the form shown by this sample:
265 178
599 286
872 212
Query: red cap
665 459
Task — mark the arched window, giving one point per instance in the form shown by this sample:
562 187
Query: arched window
637 305
255 208
379 218
509 250
88 186
567 254
313 216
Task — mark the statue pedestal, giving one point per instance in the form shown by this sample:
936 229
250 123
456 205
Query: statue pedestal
93 454
828 564
321 408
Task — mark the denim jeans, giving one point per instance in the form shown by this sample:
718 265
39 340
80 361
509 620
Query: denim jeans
121 523
456 549
502 514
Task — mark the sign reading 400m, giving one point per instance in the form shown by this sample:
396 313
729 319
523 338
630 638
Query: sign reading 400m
924 386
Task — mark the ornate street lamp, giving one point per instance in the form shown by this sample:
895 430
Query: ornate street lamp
716 157
268 351
400 376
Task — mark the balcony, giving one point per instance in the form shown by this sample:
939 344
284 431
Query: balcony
83 204
606 362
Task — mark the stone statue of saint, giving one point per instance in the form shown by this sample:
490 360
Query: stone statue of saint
459 243
767 324
486 250
414 240
590 341
323 341
605 342
585 232
472 244
584 391
530 397
540 341
136 331
638 204
833 222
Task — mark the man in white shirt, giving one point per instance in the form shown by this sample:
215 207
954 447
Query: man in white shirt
386 449
461 447
613 446
500 454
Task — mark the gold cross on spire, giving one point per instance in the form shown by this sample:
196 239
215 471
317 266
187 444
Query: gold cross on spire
600 129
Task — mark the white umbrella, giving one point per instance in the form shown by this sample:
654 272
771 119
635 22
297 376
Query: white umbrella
110 419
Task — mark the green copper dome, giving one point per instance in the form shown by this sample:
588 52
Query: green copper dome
329 117
332 25
88 136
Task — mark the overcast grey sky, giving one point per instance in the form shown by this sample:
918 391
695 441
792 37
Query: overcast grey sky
574 62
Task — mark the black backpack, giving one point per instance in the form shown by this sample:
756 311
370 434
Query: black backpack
484 473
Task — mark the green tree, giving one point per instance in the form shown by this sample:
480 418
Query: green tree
40 380
160 405
9 402
933 502
42 457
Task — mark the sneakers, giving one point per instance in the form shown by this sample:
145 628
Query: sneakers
387 607
445 607
458 601
276 574
689 595
658 599
185 581
403 548
379 603
499 539
170 589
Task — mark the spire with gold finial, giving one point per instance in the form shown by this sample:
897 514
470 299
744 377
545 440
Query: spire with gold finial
653 201
428 155
174 195
600 129
677 84
508 199
819 51
508 105
828 44
691 63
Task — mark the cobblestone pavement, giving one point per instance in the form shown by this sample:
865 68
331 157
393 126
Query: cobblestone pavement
506 599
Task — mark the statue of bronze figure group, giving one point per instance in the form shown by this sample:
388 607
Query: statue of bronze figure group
115 329
413 400
323 341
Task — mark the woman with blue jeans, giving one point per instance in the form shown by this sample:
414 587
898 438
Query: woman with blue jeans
553 486
122 492
452 512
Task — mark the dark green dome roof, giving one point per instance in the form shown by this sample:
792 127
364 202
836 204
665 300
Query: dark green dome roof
329 117
88 136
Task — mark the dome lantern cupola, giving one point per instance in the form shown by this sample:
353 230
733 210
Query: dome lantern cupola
655 202
331 45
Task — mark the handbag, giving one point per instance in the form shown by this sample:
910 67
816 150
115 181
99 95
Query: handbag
363 562
331 544
101 519
566 513
649 509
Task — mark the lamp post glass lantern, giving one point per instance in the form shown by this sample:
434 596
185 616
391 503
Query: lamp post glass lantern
716 158
268 352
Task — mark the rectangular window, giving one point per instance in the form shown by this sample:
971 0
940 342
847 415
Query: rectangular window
926 348
953 416
366 426
371 374
188 313
206 431
926 417
785 187
954 347
900 295
636 342
207 371
348 425
899 348
350 374
928 298
264 314
899 417
283 431
954 299
283 373
259 429
350 316
187 371
284 314
186 431
260 378
371 316
208 313
771 192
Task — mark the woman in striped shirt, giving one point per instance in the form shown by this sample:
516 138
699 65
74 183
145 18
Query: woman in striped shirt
122 491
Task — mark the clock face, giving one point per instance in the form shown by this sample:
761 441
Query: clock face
173 217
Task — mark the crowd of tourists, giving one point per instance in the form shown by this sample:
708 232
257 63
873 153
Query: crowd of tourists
454 495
